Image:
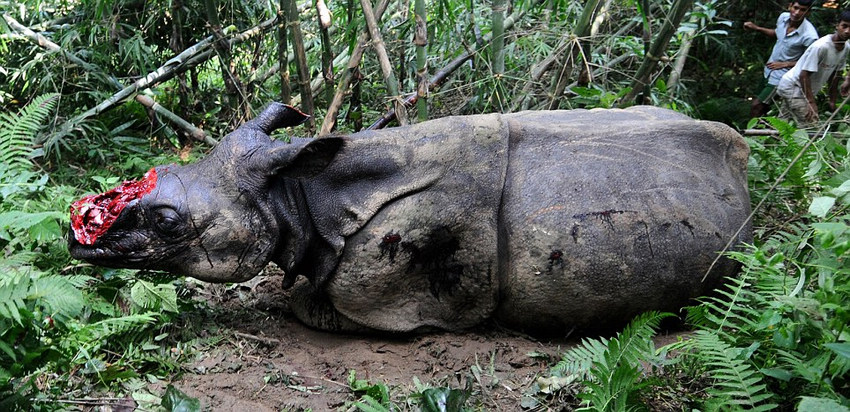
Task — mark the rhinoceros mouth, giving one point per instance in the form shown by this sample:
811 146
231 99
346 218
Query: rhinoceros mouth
106 257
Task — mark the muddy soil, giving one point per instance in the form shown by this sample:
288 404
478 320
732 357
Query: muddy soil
268 361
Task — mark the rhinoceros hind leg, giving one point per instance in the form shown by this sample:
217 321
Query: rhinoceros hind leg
313 308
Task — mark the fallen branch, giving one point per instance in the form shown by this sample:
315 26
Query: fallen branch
189 58
760 132
146 101
384 60
264 340
353 62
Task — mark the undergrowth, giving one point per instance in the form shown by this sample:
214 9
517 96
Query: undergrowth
66 330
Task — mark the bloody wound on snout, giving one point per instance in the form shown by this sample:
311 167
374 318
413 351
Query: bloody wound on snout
92 215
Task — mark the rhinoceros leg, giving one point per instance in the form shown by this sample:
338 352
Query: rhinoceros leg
314 309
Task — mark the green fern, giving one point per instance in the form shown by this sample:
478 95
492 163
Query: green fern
104 329
611 368
738 306
58 295
14 287
17 132
579 360
736 381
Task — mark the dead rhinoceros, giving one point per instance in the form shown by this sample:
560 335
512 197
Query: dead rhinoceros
540 220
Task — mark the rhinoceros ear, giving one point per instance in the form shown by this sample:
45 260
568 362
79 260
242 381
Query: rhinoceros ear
306 161
275 116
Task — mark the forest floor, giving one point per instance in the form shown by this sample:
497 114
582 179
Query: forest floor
268 361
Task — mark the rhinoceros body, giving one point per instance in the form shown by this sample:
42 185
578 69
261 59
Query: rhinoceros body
543 221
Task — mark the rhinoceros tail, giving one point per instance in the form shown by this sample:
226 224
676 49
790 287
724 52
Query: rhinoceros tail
275 116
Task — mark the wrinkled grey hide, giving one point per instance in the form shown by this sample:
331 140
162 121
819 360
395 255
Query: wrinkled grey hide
542 220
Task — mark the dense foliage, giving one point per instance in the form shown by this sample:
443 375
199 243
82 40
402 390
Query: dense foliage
774 337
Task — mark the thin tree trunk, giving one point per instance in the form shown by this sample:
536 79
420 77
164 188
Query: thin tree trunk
282 53
420 39
681 59
176 44
301 65
582 29
355 111
384 60
668 29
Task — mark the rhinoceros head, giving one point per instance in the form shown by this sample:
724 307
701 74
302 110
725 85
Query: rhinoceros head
221 219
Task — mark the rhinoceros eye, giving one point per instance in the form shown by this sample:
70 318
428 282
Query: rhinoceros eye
167 221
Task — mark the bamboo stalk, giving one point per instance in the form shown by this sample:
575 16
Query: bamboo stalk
325 22
189 58
148 102
282 56
498 43
420 39
384 60
441 76
668 29
356 56
581 30
541 68
681 57
303 71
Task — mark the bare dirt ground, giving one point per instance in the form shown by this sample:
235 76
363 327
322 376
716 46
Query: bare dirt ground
268 361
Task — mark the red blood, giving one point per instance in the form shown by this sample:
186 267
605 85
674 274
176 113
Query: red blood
92 215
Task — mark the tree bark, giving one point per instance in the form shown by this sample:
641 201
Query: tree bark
659 45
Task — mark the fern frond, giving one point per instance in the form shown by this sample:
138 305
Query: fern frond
115 326
17 131
578 360
615 374
633 344
735 379
737 306
57 294
13 291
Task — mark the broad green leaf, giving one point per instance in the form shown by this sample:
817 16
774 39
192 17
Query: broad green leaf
821 205
444 399
811 404
842 349
841 190
176 401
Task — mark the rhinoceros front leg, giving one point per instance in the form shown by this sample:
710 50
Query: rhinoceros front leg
314 308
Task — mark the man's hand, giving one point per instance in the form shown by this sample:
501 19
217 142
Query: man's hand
750 25
845 87
812 115
780 65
